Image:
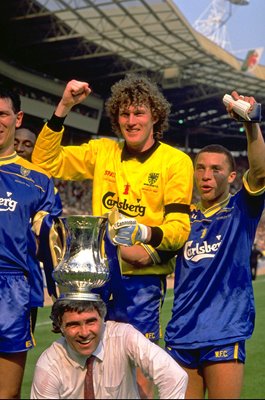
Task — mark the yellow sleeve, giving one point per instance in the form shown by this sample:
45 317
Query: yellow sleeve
64 162
178 194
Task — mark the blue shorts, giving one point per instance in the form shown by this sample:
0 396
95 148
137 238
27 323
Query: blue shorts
15 329
195 358
138 301
134 299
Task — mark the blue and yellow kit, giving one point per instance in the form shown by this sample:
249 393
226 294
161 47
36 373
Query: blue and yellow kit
213 294
26 194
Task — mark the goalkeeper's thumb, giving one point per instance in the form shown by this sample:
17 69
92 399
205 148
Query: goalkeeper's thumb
128 232
113 216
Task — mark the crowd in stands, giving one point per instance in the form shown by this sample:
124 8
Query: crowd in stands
76 197
48 98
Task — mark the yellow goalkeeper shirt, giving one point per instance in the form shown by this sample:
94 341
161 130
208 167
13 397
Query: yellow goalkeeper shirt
155 187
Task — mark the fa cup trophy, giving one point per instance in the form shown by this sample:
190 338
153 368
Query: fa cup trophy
83 263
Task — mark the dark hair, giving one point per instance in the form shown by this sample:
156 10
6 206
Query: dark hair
61 306
138 90
218 148
7 93
28 127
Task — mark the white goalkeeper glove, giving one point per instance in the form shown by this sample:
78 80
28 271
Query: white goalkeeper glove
126 231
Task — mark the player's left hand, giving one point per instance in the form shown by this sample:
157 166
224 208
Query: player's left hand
126 231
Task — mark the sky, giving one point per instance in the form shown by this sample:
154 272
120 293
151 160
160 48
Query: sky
245 27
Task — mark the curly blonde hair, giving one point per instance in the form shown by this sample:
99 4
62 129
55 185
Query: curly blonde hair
138 90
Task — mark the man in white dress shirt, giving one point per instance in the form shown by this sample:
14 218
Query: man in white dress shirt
118 349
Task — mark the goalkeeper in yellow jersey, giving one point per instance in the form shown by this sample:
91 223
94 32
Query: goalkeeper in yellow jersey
147 181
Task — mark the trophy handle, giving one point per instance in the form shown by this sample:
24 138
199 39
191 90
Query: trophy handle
57 241
99 252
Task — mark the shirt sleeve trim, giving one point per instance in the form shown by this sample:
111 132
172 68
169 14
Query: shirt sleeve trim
156 236
56 123
246 185
177 208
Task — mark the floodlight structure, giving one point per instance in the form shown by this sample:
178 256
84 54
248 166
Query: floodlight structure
240 2
212 22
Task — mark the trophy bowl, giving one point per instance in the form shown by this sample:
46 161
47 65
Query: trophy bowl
82 265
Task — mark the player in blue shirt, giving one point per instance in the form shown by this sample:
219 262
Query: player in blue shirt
213 311
24 143
26 199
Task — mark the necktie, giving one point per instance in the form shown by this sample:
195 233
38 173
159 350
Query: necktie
88 384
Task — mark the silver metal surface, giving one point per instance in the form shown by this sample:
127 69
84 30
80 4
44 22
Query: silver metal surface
83 265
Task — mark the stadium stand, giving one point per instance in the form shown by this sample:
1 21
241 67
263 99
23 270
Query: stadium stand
43 46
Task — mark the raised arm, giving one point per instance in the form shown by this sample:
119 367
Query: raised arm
74 93
48 152
255 147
